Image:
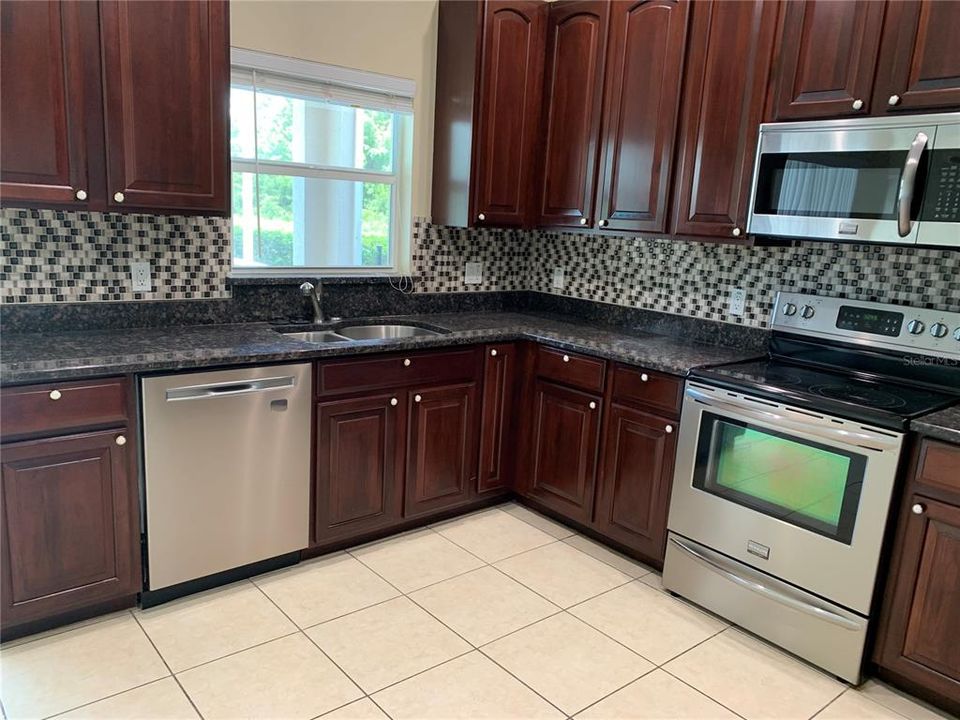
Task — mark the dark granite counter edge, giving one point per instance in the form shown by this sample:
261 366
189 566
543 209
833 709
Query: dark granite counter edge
941 425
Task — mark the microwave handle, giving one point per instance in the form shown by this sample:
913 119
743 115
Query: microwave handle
907 181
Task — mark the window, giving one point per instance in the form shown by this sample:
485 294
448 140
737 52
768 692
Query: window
321 161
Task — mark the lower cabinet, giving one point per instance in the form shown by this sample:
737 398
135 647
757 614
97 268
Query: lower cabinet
566 434
442 433
636 471
497 426
70 525
359 472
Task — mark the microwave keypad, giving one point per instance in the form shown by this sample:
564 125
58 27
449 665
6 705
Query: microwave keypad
943 202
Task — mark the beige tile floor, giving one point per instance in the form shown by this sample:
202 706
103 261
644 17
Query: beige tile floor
499 614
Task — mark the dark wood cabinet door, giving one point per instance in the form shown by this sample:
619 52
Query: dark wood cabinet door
573 94
497 418
166 94
565 437
359 471
70 525
728 65
43 151
635 478
643 78
442 432
922 622
826 58
919 67
511 80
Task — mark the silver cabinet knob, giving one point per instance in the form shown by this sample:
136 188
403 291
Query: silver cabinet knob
121 440
668 429
394 401
406 362
736 232
603 223
417 398
644 377
583 221
118 197
938 329
593 405
81 194
566 358
893 100
481 216
857 104
55 395
493 352
915 327
917 509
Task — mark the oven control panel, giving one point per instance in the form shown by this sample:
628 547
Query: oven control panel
916 330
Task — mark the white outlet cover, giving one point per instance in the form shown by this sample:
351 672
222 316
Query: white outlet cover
558 280
473 274
738 301
140 277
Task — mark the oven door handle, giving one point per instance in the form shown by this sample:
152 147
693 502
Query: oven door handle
861 438
908 179
777 596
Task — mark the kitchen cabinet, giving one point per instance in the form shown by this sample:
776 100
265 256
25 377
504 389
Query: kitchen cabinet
920 620
573 96
86 90
70 544
443 429
644 74
359 473
725 84
919 63
497 417
489 87
826 57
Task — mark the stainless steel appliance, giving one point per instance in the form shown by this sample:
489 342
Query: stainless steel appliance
226 469
786 467
884 180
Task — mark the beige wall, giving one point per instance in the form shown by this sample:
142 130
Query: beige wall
395 37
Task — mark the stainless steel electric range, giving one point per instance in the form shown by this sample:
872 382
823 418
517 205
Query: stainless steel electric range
786 467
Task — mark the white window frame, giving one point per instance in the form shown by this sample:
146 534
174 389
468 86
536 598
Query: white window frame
398 93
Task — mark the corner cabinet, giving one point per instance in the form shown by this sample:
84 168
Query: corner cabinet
87 122
490 59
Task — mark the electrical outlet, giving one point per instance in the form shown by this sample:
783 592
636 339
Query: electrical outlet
473 274
141 277
558 278
738 300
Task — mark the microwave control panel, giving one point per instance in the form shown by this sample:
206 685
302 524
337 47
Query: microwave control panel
942 201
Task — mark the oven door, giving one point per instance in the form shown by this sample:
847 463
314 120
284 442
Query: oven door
840 183
801 496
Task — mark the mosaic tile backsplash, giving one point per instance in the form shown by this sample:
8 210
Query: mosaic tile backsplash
62 257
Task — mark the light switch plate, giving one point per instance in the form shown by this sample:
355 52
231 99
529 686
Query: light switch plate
558 280
140 276
738 301
473 274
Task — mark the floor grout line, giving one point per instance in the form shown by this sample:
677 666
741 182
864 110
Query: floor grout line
111 695
614 692
524 683
53 632
167 665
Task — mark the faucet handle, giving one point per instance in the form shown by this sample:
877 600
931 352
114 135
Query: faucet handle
306 288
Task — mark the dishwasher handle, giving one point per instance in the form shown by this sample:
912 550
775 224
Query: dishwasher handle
226 389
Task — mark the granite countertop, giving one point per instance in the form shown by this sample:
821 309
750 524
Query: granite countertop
943 424
37 357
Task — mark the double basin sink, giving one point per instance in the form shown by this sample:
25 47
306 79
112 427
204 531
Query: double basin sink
350 333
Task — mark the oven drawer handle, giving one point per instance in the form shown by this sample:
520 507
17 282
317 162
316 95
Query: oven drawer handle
847 437
908 179
775 595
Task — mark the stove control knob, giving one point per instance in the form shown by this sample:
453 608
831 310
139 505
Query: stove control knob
789 309
938 330
806 312
956 334
915 327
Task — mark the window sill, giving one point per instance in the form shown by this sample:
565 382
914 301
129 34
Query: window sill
296 279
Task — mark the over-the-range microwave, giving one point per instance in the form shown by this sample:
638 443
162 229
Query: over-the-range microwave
876 180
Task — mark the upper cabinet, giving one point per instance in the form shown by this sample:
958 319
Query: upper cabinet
644 73
490 59
116 105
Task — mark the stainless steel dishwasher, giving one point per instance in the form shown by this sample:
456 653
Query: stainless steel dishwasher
226 471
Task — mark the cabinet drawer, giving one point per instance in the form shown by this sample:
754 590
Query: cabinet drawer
657 390
939 466
48 408
571 369
390 371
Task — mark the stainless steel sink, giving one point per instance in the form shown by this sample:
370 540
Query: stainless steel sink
318 336
384 332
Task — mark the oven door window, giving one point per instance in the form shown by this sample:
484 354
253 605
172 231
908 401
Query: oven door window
799 481
861 185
